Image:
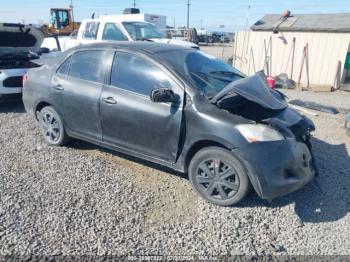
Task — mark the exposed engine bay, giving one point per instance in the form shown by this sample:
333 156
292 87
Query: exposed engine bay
17 59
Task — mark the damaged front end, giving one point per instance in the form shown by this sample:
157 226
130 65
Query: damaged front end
278 157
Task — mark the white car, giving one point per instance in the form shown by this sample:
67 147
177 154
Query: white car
120 28
19 47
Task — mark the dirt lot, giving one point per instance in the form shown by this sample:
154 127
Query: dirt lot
83 199
222 51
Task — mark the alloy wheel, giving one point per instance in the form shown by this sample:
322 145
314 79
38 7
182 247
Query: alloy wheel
51 127
217 180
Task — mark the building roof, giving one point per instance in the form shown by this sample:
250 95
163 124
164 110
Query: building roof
305 22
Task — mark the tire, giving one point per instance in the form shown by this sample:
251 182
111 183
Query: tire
218 176
52 128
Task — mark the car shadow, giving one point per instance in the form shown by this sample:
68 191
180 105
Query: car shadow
324 199
82 145
12 106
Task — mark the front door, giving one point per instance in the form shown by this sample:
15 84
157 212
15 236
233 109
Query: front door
77 88
128 116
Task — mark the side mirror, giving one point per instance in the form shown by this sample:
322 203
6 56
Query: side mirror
163 95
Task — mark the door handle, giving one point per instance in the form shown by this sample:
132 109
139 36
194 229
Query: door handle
58 87
109 100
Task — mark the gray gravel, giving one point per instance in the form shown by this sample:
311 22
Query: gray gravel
86 200
339 99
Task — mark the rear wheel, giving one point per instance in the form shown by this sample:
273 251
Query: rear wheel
218 176
52 128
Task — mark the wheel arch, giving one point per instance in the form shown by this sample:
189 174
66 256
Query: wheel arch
40 106
196 147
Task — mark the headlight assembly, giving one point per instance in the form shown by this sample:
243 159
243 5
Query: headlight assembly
259 133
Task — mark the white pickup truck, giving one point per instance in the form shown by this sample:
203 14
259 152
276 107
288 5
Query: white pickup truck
119 28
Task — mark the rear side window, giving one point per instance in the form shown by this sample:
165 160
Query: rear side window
136 74
64 68
91 30
87 65
113 32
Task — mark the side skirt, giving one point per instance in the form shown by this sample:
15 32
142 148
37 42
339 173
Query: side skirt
127 152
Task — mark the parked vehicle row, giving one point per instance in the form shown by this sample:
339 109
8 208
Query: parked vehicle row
177 107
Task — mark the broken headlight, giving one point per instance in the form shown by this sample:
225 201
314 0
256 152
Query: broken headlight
259 133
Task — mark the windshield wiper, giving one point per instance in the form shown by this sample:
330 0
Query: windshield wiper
201 76
144 39
226 73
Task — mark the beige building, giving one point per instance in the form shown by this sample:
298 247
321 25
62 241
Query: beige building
277 45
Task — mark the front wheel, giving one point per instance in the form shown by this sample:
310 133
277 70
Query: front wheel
218 176
52 128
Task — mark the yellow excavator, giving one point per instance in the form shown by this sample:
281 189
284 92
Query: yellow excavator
61 22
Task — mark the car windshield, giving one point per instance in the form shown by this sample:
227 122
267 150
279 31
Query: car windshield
207 73
142 31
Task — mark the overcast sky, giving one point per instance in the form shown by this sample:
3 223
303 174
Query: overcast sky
211 14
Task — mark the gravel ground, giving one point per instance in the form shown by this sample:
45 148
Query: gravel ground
338 99
84 200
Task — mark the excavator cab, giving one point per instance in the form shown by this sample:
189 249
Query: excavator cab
61 22
60 18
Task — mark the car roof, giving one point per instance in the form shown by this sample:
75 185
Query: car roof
148 47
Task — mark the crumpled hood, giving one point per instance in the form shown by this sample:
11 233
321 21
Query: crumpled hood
20 37
272 108
175 42
255 89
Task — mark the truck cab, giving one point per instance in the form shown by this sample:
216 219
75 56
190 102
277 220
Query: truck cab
133 27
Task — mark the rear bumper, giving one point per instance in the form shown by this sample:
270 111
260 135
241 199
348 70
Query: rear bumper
8 82
277 168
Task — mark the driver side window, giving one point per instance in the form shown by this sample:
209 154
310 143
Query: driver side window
136 74
113 32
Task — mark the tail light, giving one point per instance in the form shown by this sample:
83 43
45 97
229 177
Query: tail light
24 79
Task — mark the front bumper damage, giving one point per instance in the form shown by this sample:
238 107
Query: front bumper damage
277 168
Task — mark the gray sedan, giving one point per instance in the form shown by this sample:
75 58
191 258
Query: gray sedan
177 107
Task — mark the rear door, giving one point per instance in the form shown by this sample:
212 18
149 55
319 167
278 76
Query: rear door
128 116
77 88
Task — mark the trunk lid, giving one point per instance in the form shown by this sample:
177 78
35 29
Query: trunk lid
18 37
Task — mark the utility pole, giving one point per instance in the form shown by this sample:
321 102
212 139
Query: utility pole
188 14
72 7
134 3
